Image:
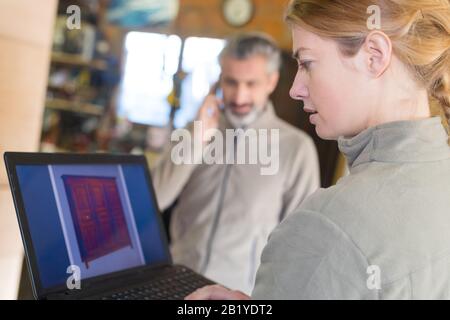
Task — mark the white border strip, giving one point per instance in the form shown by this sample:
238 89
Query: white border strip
133 222
60 213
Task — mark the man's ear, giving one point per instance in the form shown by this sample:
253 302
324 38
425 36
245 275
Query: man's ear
378 50
273 80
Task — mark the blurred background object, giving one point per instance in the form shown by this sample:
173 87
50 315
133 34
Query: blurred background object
142 67
25 42
131 73
141 13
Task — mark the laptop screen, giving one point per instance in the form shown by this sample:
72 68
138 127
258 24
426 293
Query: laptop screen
99 218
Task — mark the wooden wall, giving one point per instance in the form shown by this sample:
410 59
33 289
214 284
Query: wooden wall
26 29
204 18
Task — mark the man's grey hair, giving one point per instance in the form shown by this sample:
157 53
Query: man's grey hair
246 45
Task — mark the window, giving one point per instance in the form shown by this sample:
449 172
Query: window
151 60
201 65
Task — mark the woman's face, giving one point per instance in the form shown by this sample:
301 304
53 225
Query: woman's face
333 87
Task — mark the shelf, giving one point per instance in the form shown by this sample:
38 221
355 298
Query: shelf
77 60
63 88
77 107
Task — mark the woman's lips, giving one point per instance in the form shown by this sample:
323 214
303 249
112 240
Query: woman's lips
313 115
312 118
309 110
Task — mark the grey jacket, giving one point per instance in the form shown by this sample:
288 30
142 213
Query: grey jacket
383 232
225 213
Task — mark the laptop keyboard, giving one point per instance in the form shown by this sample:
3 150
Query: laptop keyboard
175 284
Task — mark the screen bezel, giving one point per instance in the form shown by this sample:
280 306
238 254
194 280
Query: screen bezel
13 159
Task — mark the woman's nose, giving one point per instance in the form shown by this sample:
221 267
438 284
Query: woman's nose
298 91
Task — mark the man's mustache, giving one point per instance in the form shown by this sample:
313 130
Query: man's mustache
240 105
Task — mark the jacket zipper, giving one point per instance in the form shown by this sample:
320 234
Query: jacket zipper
218 212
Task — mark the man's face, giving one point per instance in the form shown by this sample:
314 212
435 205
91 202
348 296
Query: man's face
246 84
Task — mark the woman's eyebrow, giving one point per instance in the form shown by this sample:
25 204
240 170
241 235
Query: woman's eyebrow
296 54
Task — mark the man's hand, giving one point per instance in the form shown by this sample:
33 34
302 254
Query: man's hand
208 114
216 292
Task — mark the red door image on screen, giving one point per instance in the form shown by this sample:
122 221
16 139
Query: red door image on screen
97 215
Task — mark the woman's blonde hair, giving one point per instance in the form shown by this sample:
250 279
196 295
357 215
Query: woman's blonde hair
419 31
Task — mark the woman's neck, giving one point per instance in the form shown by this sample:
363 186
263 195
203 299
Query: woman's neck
409 106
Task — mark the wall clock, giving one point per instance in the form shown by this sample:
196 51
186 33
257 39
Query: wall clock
238 12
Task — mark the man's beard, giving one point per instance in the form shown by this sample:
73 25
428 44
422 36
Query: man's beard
242 121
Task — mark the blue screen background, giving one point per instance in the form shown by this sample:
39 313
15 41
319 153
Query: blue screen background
45 227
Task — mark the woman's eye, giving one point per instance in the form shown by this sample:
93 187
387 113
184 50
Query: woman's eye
304 65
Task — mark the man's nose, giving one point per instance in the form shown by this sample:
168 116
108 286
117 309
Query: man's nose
241 95
298 91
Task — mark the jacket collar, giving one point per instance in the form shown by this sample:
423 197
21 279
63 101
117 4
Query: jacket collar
399 141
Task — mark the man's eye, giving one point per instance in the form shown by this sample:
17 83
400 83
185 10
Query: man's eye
230 82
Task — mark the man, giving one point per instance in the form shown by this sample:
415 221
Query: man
225 212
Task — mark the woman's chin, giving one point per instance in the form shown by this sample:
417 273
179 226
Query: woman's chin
325 134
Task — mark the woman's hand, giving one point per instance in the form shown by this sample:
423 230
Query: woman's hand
216 292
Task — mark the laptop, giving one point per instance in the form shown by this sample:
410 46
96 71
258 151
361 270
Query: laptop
91 228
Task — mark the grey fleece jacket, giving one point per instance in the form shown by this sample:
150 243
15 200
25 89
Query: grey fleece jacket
225 212
383 232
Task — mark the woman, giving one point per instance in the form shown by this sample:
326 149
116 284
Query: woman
383 232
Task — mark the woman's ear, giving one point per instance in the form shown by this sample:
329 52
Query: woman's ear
378 49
